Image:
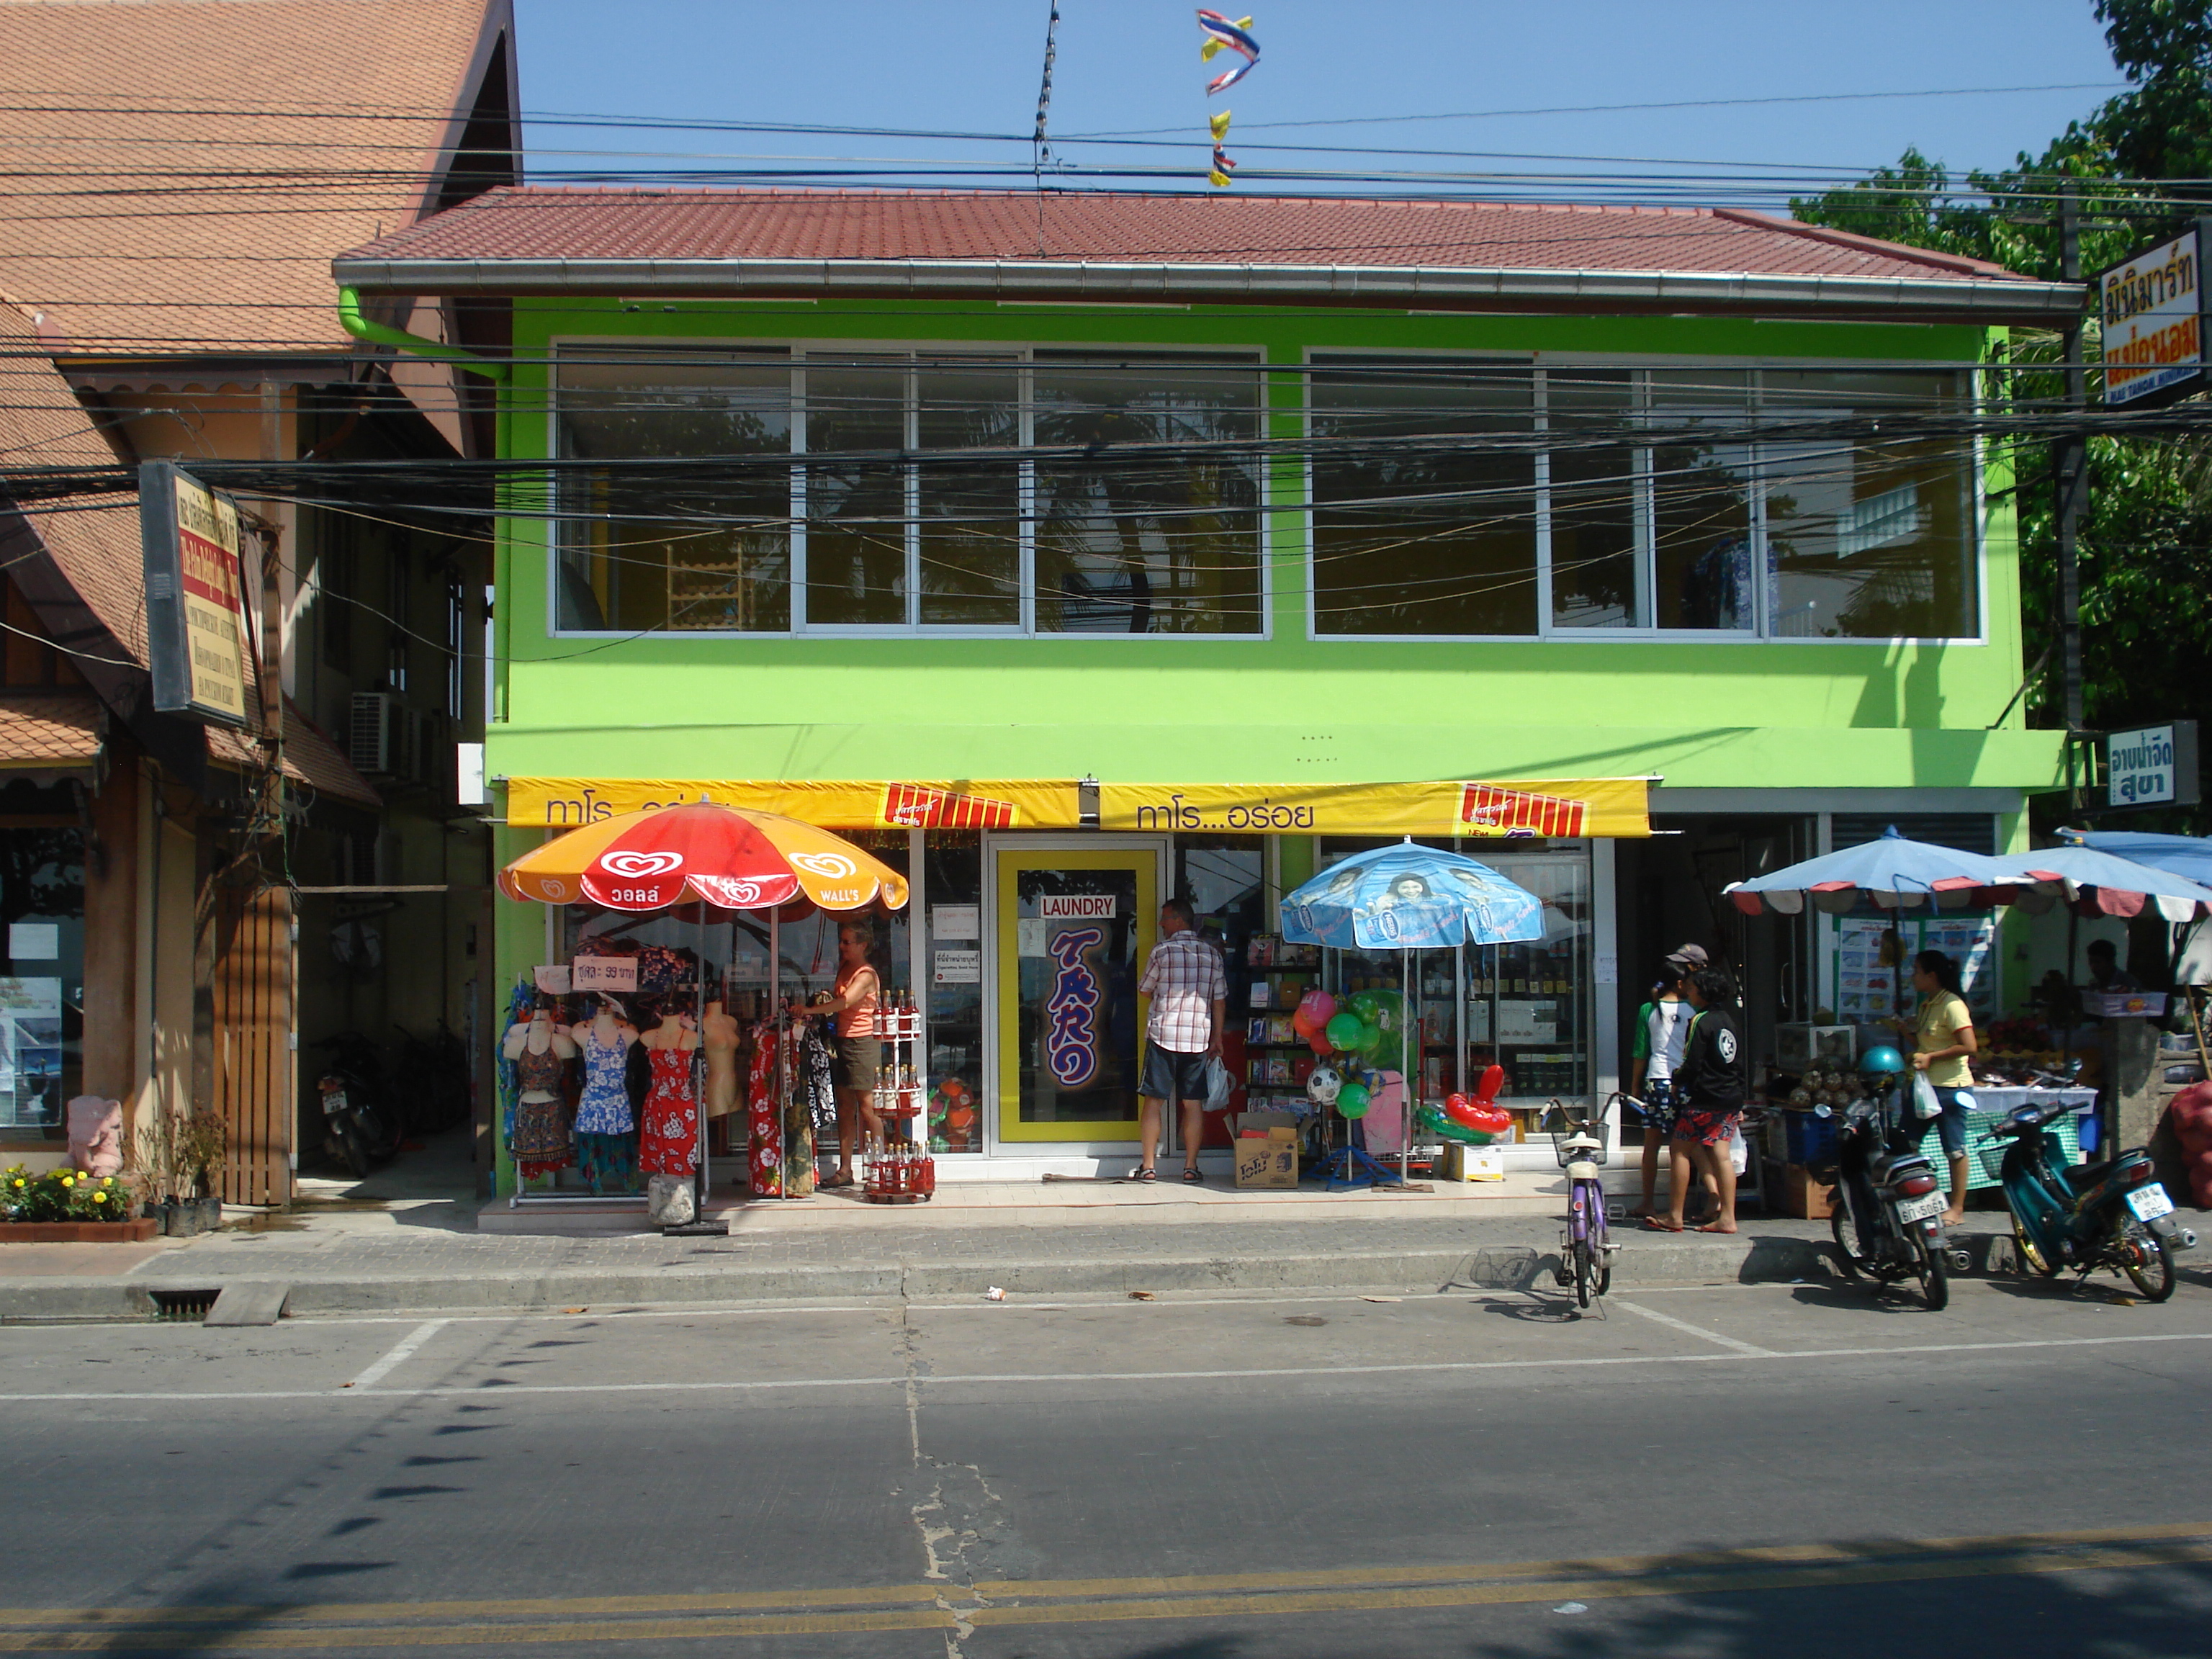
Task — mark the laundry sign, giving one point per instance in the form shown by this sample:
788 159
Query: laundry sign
1077 907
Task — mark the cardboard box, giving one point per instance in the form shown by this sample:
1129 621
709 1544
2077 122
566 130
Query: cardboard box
1463 1163
1805 1197
1269 1161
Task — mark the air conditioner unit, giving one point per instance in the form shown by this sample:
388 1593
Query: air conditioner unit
377 738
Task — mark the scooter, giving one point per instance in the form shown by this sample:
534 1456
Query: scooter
1888 1215
355 1130
2084 1216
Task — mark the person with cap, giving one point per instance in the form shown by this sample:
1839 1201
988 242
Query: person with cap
1711 1084
1662 1025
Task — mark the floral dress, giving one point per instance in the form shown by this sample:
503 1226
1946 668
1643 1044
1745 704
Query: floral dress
763 1116
606 1133
668 1137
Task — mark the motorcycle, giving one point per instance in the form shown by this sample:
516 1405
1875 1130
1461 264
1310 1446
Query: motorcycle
1888 1215
2083 1216
357 1129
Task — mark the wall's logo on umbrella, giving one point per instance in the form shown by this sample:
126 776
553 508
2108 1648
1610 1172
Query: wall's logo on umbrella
638 866
830 866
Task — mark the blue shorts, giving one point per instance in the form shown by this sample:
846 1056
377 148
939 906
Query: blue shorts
1659 1105
1952 1126
1172 1076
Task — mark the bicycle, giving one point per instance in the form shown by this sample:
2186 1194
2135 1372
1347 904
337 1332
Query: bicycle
1586 1244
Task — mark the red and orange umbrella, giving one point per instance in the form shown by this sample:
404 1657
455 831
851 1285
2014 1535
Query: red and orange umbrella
730 857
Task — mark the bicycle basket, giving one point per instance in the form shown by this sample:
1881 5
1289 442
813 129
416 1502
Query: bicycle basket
1567 1154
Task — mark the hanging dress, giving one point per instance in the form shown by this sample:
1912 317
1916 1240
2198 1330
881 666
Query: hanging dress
540 1143
763 1116
668 1137
804 1048
606 1132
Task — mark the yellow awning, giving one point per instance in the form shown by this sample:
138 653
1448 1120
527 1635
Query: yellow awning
1564 807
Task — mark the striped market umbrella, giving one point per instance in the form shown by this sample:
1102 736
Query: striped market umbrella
730 857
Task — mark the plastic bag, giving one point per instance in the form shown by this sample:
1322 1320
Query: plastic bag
1217 1085
1925 1106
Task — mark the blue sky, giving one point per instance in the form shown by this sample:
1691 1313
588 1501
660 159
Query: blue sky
1132 66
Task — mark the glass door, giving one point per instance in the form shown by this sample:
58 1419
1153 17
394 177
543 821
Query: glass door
1073 931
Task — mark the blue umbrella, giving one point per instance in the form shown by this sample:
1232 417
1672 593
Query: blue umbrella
2179 855
1410 898
1896 873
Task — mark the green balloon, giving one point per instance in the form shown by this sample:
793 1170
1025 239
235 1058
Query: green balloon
1352 1100
1344 1032
1370 1037
1364 1004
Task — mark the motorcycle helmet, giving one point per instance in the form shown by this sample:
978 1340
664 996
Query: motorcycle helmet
1323 1085
1880 1061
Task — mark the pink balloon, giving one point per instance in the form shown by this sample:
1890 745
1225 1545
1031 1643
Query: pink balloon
1314 1008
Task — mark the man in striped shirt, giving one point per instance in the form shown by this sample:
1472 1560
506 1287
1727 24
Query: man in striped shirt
1188 988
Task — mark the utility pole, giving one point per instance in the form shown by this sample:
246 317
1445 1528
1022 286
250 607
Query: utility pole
2069 469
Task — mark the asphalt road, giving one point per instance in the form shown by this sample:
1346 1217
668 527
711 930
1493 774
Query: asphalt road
1722 1472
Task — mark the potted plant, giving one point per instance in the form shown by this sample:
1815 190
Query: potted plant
158 1166
201 1141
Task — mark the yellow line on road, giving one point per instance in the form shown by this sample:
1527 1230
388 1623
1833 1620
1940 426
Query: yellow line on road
1095 1600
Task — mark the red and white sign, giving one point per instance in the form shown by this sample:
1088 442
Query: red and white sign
1076 907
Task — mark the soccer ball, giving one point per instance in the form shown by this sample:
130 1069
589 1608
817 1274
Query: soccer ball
1322 1088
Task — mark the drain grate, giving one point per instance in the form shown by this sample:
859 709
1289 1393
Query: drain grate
183 1307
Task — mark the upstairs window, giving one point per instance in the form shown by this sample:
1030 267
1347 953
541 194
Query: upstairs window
1457 501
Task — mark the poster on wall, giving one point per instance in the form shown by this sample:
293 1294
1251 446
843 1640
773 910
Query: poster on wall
30 1053
1871 970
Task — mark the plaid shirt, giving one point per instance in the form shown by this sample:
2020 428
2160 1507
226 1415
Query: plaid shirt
1184 979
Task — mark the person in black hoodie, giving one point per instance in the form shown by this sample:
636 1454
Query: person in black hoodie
1708 1091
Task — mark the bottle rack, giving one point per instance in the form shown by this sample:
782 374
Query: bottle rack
900 1171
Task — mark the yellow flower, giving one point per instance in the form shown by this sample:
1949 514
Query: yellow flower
68 1181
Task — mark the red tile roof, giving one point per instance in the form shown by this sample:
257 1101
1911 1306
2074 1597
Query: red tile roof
180 172
534 222
48 728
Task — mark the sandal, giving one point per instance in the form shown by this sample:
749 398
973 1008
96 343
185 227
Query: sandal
1141 1173
1652 1223
834 1181
1191 1173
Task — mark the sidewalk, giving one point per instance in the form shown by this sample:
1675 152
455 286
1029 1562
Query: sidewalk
428 1256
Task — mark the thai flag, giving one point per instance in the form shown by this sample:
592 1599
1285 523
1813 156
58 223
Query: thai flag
1235 36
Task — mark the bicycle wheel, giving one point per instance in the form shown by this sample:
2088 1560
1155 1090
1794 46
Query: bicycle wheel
1935 1280
1583 1276
2145 1258
1601 1252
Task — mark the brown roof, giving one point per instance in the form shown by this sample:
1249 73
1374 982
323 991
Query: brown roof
181 171
539 222
49 728
95 541
310 758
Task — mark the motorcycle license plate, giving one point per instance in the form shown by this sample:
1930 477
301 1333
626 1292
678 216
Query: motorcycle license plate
334 1102
2151 1202
1919 1209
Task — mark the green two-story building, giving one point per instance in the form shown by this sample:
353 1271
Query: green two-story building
1130 544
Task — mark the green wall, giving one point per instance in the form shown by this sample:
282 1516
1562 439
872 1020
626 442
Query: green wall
1282 708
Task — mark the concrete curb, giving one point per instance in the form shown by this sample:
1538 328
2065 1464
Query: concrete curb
1641 1259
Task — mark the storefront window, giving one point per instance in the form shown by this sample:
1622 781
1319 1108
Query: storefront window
1594 479
1389 556
42 991
1147 544
952 891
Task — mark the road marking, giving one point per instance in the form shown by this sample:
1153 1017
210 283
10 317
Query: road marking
401 1352
1110 1601
1698 1331
496 1391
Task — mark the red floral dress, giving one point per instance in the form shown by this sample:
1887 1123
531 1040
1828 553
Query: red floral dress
668 1126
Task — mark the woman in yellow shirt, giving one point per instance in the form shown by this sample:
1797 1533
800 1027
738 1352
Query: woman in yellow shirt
1943 1040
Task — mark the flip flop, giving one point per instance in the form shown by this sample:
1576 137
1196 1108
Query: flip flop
1729 1232
1654 1224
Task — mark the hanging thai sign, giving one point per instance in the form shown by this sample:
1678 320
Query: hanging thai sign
2154 766
1568 808
1071 1011
197 640
2151 310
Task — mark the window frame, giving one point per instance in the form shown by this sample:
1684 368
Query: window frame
1024 360
1974 517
